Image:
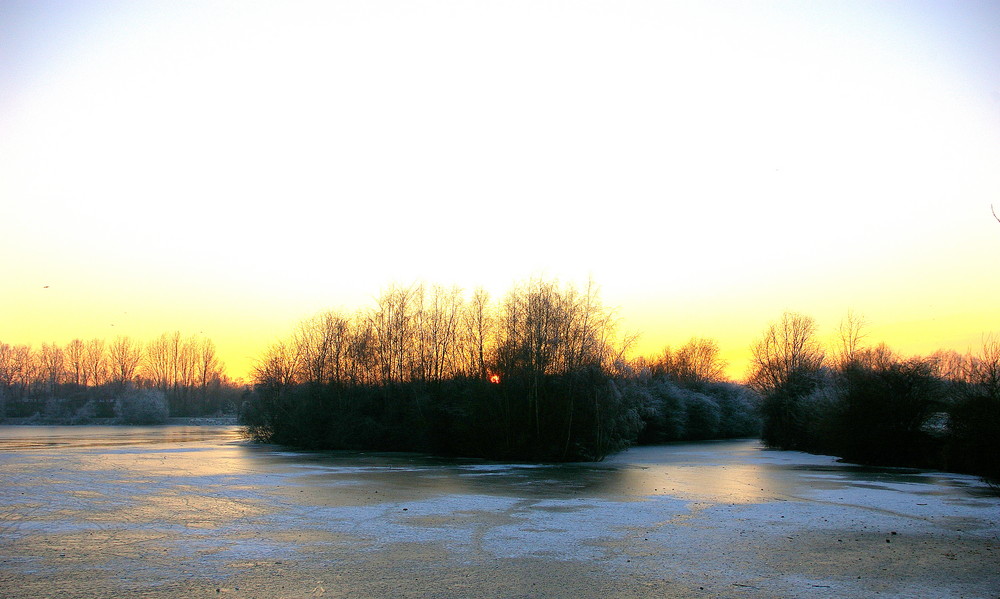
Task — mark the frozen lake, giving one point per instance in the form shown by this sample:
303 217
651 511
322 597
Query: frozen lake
195 511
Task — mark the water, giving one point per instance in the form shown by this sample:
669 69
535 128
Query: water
181 511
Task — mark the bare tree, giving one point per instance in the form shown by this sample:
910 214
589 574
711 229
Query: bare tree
278 366
878 357
437 330
95 363
75 357
17 369
7 368
787 348
950 365
322 343
174 345
983 370
209 366
478 323
546 329
124 355
312 340
363 362
51 366
393 328
187 363
158 364
697 360
850 333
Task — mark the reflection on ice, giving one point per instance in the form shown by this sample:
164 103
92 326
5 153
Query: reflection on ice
166 502
723 484
48 437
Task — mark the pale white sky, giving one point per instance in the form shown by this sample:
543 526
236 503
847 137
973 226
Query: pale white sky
232 167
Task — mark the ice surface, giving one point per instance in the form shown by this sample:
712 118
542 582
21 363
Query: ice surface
725 518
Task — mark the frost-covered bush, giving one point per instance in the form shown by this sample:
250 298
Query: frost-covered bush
56 408
674 411
703 416
86 412
738 404
662 409
142 406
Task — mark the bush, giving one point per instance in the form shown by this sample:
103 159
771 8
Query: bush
577 416
703 416
85 413
882 412
974 435
56 409
673 411
739 415
663 411
788 412
142 406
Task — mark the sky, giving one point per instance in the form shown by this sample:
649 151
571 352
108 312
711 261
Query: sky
228 169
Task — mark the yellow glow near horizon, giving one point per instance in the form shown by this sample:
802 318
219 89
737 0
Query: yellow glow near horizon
227 169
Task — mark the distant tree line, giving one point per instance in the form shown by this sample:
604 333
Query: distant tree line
873 406
169 375
540 375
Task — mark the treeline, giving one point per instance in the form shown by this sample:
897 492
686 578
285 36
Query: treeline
543 374
125 378
870 405
540 375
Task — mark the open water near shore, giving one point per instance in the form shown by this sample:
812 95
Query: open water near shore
196 511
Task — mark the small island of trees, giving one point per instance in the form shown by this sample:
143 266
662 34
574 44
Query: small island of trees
544 375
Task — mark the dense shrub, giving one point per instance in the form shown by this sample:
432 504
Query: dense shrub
141 406
891 412
881 412
739 412
790 410
663 410
579 416
672 411
974 443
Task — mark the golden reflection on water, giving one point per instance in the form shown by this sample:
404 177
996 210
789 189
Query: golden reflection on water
136 454
45 437
732 483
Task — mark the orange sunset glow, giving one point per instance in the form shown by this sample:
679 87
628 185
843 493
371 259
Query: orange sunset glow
226 170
